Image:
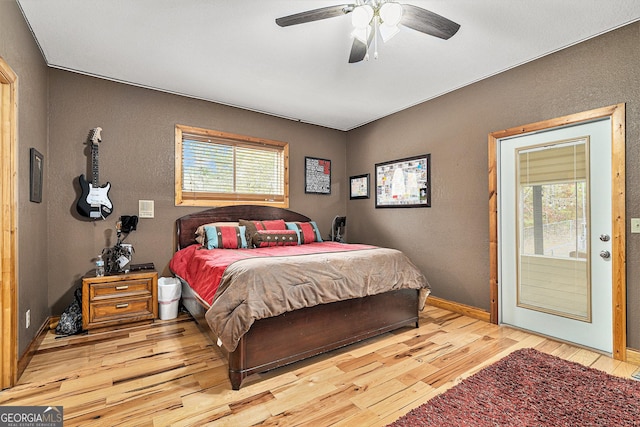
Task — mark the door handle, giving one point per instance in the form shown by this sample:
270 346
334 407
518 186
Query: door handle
605 254
604 237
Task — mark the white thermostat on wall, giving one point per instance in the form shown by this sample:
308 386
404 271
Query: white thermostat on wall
145 208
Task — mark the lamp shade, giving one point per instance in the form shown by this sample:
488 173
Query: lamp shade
391 13
362 34
361 16
388 31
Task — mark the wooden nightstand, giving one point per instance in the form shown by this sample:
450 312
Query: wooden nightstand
121 299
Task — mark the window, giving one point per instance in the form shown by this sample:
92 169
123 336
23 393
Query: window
217 168
553 206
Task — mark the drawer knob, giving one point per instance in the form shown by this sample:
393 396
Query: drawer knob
124 305
122 288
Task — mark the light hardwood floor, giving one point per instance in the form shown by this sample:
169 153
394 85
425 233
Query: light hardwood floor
169 373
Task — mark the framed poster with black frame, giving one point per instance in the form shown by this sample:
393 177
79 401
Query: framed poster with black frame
404 183
359 187
317 175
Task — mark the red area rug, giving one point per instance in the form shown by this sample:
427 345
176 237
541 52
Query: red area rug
530 388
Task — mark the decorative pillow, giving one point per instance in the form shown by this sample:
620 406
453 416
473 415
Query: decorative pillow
254 225
201 236
225 237
266 238
307 231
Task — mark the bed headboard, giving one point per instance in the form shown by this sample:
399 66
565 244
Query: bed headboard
186 226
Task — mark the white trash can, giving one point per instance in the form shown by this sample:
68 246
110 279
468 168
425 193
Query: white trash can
169 292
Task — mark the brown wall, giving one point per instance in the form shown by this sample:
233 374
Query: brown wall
137 158
19 50
450 240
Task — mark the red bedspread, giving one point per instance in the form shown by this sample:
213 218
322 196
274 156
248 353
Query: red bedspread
203 268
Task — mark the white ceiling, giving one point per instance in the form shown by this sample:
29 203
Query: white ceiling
232 52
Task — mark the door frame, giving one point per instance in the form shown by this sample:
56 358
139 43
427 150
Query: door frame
8 239
618 238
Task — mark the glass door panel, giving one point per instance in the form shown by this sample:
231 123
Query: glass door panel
553 245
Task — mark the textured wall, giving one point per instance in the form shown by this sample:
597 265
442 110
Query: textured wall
137 158
20 51
450 240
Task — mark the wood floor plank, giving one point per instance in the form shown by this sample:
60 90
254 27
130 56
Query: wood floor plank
169 374
373 393
379 376
402 399
332 408
349 376
606 364
364 418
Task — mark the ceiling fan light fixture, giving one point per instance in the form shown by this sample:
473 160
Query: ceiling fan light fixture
390 13
374 19
362 34
361 16
388 31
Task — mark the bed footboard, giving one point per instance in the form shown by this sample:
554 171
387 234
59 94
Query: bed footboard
297 335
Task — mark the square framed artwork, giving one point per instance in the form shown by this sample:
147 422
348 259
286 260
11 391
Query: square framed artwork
404 183
317 175
36 166
359 186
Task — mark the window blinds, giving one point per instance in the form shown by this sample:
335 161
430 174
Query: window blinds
217 166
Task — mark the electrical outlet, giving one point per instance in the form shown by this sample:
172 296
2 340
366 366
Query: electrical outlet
27 316
635 225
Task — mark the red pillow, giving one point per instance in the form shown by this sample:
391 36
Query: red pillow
225 237
307 231
272 224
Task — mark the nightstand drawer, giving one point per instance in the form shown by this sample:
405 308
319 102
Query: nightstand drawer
116 310
127 288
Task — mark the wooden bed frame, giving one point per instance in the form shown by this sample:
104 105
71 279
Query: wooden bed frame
296 335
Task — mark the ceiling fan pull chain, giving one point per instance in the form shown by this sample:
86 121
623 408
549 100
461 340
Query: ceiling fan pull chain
376 20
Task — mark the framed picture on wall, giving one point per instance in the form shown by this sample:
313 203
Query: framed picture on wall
359 187
404 183
317 175
36 166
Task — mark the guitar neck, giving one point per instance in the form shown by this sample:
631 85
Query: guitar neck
94 164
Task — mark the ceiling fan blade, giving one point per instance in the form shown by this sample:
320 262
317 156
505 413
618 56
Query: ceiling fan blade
315 15
427 22
359 49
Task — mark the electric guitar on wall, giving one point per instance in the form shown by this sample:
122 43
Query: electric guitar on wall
94 201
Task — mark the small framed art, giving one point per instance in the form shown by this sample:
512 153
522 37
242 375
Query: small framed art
359 186
35 178
404 183
317 175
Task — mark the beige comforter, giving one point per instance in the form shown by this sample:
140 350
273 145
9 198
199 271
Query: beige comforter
258 288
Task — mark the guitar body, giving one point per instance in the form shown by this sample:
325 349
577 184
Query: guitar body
94 202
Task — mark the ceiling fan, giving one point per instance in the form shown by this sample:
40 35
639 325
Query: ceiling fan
377 18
